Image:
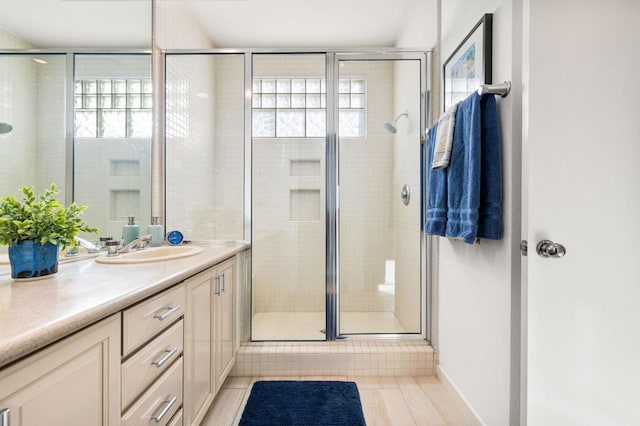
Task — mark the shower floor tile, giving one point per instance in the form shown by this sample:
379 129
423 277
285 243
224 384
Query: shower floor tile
308 325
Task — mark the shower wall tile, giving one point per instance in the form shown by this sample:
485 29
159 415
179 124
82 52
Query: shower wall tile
190 124
366 193
406 219
177 28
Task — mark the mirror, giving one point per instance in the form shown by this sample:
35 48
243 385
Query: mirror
38 127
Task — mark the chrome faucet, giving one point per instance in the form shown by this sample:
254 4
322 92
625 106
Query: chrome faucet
141 242
87 245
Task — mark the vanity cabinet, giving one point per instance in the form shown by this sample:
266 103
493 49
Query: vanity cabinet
158 361
209 337
152 336
76 381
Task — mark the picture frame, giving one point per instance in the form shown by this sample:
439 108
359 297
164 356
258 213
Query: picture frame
469 66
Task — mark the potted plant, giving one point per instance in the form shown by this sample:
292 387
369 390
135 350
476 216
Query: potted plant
35 228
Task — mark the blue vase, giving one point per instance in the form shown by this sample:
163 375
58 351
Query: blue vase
30 259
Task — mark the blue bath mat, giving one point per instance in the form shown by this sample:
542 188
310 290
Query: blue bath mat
304 403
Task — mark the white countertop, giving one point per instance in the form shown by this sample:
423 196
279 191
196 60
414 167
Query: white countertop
34 314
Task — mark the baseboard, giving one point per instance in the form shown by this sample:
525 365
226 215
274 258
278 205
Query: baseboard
444 378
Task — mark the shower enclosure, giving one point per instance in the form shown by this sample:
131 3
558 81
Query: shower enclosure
328 195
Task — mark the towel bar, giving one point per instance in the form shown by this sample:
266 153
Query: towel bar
501 89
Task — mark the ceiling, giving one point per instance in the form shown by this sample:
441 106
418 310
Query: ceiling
227 23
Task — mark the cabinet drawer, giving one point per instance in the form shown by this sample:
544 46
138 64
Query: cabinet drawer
158 404
177 419
139 371
141 322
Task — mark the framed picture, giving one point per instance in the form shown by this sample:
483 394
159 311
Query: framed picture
469 66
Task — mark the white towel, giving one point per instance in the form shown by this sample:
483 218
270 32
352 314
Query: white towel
444 138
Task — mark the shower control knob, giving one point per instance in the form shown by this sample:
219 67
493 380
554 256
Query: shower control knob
405 194
547 248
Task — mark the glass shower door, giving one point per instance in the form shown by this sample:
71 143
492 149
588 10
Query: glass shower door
379 237
288 197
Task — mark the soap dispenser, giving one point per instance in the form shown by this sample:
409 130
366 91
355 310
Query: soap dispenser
131 231
156 230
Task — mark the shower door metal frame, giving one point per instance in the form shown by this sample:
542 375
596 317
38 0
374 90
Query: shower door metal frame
332 58
333 191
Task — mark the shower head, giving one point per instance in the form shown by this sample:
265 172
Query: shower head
5 128
391 127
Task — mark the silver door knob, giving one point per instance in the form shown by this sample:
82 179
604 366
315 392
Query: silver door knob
405 194
547 248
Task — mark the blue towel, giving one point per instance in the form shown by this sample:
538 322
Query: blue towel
436 217
463 177
464 201
490 220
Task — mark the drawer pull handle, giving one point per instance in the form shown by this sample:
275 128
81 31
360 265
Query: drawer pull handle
4 417
169 311
223 279
167 355
158 417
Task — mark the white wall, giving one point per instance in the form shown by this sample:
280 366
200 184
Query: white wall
479 285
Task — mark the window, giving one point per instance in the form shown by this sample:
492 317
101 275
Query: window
113 108
296 107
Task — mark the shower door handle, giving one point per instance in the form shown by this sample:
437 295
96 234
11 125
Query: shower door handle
405 194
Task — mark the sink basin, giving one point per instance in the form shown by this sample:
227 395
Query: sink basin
155 254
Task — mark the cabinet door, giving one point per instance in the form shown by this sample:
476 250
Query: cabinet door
198 346
224 321
74 382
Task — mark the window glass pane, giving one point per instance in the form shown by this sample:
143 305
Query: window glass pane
264 123
119 86
323 86
283 86
89 101
89 86
298 85
104 101
290 123
85 122
78 87
77 102
139 124
147 87
133 86
147 101
283 101
113 124
344 101
297 101
268 86
344 86
133 101
357 86
268 101
357 101
323 101
316 123
256 86
104 86
119 101
313 85
256 101
351 123
313 101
